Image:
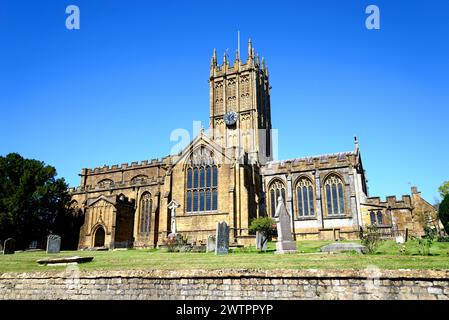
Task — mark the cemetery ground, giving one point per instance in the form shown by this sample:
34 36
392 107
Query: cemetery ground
388 256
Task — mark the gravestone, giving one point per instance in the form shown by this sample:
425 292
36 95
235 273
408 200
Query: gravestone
400 240
53 243
10 246
1 246
261 244
211 243
285 242
222 238
342 247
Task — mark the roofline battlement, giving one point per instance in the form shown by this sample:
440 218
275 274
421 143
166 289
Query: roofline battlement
327 158
125 166
390 201
116 185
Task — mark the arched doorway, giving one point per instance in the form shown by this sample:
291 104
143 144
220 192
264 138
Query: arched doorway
99 237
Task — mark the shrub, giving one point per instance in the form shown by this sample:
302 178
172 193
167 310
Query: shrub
403 250
371 238
425 242
443 213
265 225
443 239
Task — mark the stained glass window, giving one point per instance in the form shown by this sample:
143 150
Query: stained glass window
202 191
334 195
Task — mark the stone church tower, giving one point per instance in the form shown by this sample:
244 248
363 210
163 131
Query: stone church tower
240 113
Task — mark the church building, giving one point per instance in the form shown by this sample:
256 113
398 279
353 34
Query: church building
228 174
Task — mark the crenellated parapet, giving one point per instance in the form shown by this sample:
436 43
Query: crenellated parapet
117 185
391 202
321 162
127 166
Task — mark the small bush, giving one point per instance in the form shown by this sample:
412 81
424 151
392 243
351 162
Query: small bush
403 250
443 239
425 242
265 225
371 238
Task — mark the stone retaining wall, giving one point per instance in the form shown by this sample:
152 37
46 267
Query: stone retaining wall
227 284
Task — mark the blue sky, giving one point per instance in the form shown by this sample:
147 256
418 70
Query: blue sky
95 96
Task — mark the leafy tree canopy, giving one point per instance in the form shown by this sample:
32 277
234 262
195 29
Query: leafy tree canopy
444 189
32 199
443 213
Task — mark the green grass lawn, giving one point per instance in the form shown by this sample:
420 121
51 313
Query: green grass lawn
308 257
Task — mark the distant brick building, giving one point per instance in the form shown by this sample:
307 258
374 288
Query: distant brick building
228 174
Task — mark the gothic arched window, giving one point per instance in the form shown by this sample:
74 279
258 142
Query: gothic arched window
305 198
202 182
379 218
276 189
373 217
334 195
145 213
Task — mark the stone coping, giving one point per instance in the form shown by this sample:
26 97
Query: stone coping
399 274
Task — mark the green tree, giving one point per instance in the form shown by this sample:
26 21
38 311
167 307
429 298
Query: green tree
443 213
444 189
32 200
265 225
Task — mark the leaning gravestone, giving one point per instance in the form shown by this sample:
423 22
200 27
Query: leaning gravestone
211 243
9 246
222 238
285 242
261 244
53 244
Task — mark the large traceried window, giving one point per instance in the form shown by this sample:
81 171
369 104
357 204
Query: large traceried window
202 182
276 189
305 198
334 196
145 213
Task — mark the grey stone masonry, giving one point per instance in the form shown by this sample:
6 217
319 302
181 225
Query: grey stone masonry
285 242
53 244
10 246
211 244
222 238
261 243
233 284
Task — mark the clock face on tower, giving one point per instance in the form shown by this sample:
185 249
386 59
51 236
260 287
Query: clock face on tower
230 118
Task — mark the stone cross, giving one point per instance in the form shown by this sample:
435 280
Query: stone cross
9 246
172 206
285 242
53 243
222 238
